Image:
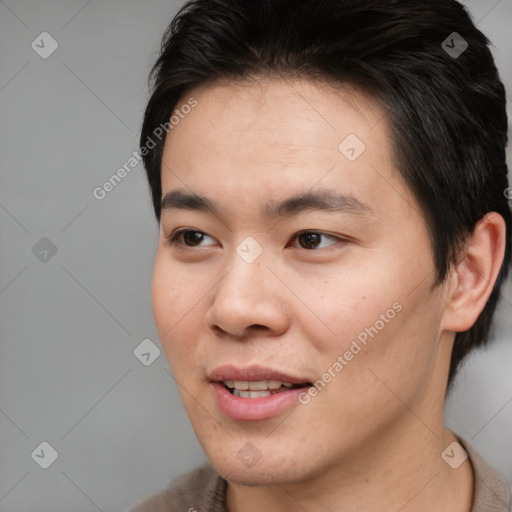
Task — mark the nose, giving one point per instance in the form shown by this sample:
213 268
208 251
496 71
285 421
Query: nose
248 300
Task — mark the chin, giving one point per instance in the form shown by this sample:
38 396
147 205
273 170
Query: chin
249 467
261 476
249 477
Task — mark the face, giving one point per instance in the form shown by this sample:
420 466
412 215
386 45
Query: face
292 286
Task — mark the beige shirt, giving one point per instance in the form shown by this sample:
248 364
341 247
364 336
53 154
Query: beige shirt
203 490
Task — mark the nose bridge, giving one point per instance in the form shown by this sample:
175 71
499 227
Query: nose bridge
246 279
247 265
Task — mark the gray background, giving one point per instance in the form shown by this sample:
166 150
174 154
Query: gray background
69 324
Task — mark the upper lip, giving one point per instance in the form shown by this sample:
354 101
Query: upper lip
251 374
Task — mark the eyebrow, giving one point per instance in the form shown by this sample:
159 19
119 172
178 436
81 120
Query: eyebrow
294 205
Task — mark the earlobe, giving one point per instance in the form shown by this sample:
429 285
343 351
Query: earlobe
475 275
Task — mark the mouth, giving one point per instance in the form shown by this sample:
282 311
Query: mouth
255 393
259 388
257 380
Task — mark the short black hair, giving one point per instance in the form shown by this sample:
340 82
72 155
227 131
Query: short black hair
446 109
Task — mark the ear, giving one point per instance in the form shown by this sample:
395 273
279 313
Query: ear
473 278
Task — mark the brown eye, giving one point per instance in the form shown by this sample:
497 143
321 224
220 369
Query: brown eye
189 238
313 240
309 240
192 238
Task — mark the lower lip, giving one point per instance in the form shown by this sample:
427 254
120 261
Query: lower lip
254 409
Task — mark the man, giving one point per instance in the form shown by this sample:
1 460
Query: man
334 233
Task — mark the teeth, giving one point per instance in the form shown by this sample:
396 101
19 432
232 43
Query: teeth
264 384
250 394
257 385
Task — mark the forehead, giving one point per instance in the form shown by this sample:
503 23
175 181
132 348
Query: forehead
272 137
282 113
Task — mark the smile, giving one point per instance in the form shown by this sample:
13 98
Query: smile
254 393
257 389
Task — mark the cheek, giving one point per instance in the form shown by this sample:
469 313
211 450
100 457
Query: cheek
176 299
176 292
163 294
390 356
382 316
351 304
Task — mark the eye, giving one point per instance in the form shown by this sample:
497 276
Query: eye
310 240
313 240
189 238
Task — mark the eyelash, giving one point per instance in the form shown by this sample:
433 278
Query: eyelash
173 239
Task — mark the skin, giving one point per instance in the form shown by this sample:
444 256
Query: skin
372 439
